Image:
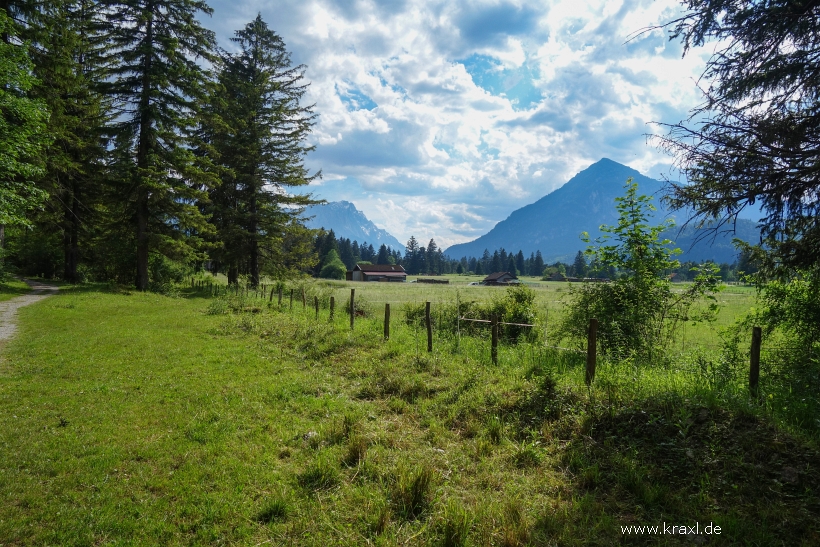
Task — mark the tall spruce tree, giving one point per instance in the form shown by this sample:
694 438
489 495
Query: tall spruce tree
262 148
538 265
411 255
67 55
157 83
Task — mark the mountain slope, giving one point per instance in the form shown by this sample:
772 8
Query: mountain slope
554 223
346 221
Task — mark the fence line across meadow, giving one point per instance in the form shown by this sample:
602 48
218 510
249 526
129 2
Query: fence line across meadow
494 322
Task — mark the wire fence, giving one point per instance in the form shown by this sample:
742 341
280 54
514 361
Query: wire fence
285 298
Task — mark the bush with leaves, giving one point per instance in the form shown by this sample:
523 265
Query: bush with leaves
788 312
332 266
517 305
638 312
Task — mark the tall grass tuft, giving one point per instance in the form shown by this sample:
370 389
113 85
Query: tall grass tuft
455 526
276 510
321 475
413 491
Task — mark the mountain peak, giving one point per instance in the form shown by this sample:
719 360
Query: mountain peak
347 221
553 224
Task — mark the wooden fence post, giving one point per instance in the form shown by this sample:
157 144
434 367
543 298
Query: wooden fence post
270 300
280 297
494 338
291 299
316 305
332 306
592 336
304 302
429 327
387 321
352 307
754 361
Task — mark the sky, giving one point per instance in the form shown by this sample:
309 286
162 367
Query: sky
439 118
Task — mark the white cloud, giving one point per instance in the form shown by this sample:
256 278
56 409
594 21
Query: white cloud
437 119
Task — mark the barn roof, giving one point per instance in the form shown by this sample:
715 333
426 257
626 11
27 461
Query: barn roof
498 275
380 268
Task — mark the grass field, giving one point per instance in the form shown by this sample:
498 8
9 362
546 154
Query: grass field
11 288
140 419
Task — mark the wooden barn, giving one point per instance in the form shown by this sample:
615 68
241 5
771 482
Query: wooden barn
376 272
500 278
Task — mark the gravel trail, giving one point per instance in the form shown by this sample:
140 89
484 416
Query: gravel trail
8 309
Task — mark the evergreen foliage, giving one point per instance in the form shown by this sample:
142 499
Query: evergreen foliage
23 131
156 83
755 139
260 144
68 63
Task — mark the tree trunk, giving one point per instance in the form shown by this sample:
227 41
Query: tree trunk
143 149
71 237
254 251
233 274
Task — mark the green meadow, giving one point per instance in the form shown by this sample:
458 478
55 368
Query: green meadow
10 288
131 418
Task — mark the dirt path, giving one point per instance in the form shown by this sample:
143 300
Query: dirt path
8 309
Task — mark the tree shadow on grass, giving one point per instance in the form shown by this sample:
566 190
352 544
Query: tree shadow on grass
675 461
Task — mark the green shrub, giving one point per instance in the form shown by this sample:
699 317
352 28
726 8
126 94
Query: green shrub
638 313
333 267
517 305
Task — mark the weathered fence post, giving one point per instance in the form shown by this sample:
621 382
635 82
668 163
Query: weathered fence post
754 361
494 338
280 297
332 306
316 305
270 300
429 327
352 307
592 336
304 302
387 321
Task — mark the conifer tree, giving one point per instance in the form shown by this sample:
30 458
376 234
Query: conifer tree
262 148
511 265
383 254
538 265
68 64
157 83
411 256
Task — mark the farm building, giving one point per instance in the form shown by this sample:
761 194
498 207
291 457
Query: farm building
500 278
376 272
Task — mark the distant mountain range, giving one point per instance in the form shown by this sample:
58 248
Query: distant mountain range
346 221
554 223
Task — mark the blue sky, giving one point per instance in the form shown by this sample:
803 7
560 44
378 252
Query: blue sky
439 118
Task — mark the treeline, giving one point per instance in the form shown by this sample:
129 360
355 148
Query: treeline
424 260
132 147
430 260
